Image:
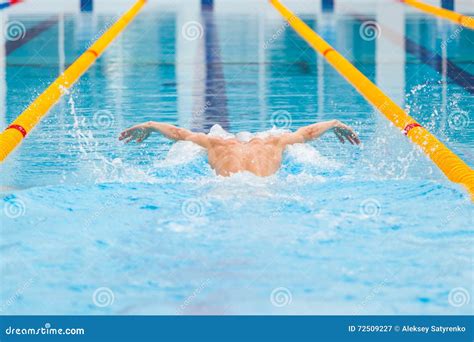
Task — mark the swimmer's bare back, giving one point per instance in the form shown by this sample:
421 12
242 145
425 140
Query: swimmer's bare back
260 156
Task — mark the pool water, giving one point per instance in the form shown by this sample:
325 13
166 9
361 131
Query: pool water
92 226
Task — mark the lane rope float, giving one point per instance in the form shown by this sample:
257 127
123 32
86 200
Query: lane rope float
19 129
455 17
12 136
449 163
409 127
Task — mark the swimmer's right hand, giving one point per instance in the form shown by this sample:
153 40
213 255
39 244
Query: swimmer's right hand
343 132
139 133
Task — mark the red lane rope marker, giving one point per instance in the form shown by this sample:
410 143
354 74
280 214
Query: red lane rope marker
40 107
93 52
461 18
409 127
327 51
19 128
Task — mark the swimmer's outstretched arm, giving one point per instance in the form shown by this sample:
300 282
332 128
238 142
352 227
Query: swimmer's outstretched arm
314 131
142 131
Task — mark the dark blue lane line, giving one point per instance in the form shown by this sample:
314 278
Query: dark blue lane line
207 5
31 33
430 58
448 4
434 60
216 98
87 5
327 6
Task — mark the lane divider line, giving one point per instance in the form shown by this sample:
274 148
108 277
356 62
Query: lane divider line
449 163
12 136
455 17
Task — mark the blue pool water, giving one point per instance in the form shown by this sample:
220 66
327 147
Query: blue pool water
92 226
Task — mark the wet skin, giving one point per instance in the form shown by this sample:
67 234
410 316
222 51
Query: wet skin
260 156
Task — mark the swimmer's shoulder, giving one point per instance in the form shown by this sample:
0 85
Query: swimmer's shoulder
220 141
273 139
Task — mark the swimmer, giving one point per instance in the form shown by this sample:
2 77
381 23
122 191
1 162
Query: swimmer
260 156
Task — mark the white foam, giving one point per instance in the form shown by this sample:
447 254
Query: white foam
309 155
116 171
271 132
181 152
304 178
180 228
218 131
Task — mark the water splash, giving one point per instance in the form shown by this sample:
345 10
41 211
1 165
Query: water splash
94 164
218 131
308 155
181 152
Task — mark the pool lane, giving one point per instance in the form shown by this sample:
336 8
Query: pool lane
310 210
31 33
424 88
441 13
426 56
215 93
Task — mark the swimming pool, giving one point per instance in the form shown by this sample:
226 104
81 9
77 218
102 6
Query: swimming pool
92 226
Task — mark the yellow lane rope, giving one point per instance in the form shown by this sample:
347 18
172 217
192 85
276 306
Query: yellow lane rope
458 18
452 166
26 121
